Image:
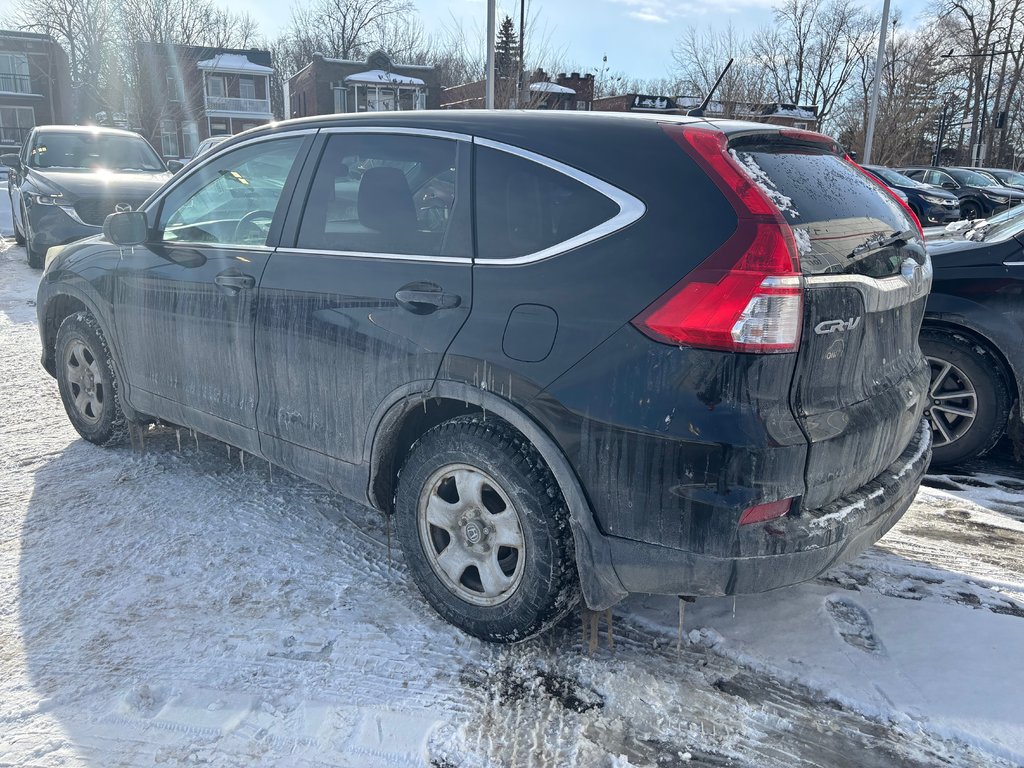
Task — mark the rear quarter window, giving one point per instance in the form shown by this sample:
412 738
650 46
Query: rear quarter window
523 207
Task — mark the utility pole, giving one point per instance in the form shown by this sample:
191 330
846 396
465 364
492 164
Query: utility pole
489 91
522 62
876 86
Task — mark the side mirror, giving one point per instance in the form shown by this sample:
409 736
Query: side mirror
175 165
11 161
127 228
950 185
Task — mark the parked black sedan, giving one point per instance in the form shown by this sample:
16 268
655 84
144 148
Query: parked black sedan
66 180
973 337
931 205
979 194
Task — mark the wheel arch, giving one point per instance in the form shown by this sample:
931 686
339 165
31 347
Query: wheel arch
1006 369
411 413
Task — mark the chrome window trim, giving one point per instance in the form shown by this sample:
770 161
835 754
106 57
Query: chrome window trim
879 294
217 246
399 130
630 208
372 255
186 173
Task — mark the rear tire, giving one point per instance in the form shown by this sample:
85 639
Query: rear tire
87 381
969 402
485 530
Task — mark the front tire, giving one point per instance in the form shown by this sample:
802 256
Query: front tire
969 403
19 238
36 258
87 382
485 530
970 211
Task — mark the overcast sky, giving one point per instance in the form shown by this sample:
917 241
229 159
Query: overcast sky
636 35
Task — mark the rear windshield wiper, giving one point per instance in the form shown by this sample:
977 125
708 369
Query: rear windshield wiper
870 246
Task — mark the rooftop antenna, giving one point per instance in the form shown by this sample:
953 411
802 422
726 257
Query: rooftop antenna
699 111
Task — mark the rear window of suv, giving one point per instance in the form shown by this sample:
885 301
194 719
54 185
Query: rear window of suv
833 208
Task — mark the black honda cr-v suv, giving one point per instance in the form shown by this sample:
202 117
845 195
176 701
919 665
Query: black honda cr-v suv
569 353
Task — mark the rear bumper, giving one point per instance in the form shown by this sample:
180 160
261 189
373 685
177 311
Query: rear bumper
781 552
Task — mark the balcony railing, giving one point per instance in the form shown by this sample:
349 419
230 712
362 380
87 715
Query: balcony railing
231 104
12 137
15 83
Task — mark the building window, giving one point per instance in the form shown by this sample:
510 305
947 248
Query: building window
801 126
215 86
219 128
14 73
340 100
189 137
247 88
175 88
169 138
15 123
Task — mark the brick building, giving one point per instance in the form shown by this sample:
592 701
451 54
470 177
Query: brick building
35 85
566 91
193 92
789 115
328 86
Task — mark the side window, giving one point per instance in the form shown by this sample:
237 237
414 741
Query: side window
938 178
523 207
375 193
231 200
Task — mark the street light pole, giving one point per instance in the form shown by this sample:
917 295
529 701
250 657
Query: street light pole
879 61
489 91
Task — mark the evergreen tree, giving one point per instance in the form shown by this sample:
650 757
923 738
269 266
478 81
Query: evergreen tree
506 49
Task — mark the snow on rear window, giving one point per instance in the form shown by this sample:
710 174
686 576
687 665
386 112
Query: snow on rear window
782 202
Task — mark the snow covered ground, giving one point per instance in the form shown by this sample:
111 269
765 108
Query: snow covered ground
172 606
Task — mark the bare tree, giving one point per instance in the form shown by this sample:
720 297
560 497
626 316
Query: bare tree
700 55
814 50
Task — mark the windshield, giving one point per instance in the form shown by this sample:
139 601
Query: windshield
1000 227
892 177
1012 178
972 178
89 151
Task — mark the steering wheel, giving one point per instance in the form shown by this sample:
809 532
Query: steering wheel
249 221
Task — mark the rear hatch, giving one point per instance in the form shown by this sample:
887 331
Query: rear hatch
860 382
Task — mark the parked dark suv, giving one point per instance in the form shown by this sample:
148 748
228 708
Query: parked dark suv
68 178
931 205
567 352
980 195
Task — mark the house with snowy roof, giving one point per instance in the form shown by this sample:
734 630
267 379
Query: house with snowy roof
327 86
190 93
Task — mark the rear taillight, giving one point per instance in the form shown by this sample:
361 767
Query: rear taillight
748 295
763 512
875 180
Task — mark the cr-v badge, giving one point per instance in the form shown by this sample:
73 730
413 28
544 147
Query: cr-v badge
836 326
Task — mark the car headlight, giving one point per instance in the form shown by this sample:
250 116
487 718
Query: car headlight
934 200
37 199
1001 199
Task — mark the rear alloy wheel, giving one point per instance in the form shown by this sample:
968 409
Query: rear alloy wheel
968 399
86 380
485 530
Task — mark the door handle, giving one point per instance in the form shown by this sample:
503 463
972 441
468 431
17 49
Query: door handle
424 298
234 281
